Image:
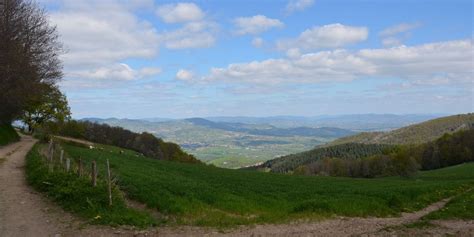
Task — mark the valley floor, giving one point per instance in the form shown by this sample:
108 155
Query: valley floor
24 212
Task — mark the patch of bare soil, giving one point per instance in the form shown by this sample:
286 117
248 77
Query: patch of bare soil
80 141
463 228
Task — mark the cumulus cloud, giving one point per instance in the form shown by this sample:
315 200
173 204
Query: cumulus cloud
298 5
196 31
191 35
180 12
102 33
119 71
257 42
184 75
337 65
255 24
327 36
422 63
394 35
99 35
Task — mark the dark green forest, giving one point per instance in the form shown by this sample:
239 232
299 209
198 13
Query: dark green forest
288 163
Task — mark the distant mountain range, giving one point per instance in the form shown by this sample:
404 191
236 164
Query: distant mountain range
357 122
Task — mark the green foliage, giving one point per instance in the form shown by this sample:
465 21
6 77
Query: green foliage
78 196
345 151
209 196
414 134
450 149
460 207
7 134
52 106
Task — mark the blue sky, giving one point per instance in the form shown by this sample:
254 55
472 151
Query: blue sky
145 58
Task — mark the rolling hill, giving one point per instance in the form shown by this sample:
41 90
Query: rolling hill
413 134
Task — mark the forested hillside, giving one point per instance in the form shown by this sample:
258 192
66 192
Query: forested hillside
373 160
414 134
345 151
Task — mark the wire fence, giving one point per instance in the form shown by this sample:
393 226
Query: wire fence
58 160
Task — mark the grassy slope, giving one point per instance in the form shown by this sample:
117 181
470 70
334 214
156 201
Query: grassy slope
418 133
78 196
202 195
461 207
7 134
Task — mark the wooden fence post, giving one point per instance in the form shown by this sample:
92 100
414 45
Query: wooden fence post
94 173
51 155
79 168
61 156
50 146
109 181
68 164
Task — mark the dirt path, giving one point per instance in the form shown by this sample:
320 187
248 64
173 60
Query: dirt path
23 212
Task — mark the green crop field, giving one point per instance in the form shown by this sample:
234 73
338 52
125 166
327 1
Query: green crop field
461 207
209 196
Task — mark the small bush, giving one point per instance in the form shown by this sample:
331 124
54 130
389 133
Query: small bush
7 134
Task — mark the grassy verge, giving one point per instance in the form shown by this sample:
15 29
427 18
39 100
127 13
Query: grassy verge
209 196
77 195
460 207
7 134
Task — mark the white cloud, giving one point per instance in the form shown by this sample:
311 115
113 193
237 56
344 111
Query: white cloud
184 75
99 35
400 28
255 24
394 35
258 42
425 61
452 60
298 5
327 36
196 31
119 71
103 33
338 65
191 35
180 12
293 53
391 41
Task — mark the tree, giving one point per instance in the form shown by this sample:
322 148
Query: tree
51 107
29 57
